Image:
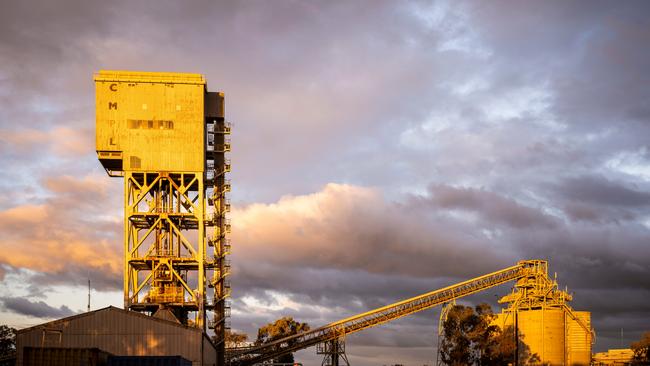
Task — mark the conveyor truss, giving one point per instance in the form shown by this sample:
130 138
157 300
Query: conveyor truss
527 270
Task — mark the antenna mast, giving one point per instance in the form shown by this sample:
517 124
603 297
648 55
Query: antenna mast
88 294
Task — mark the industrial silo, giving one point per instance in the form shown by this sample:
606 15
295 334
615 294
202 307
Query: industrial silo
546 324
543 331
578 338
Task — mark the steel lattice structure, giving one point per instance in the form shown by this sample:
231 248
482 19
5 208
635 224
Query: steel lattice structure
166 135
160 210
218 166
531 269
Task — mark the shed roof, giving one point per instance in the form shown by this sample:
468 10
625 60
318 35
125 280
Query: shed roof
107 309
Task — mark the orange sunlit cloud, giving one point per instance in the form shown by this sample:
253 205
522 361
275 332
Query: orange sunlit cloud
63 230
466 144
349 227
62 141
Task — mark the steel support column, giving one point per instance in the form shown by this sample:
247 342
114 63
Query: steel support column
165 258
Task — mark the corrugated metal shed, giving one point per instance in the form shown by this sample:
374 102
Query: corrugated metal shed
148 361
122 333
614 357
45 356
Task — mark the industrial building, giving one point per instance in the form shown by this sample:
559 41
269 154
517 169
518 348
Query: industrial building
118 332
167 137
541 312
614 357
545 322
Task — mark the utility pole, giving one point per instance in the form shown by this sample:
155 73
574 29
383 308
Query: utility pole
88 294
621 345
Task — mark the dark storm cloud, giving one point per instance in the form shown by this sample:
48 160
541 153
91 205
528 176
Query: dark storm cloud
601 257
601 191
41 44
578 254
359 291
632 301
599 79
490 206
38 309
493 131
102 276
600 200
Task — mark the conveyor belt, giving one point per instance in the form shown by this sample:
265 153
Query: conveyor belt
246 356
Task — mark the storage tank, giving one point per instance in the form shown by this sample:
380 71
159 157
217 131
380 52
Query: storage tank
553 334
546 323
543 331
579 339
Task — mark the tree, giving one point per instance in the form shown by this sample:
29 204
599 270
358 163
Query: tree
503 349
234 339
456 347
470 337
7 340
641 350
281 328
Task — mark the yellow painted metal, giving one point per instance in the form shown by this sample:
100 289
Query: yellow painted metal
543 331
167 136
578 340
546 323
162 212
449 293
541 309
218 145
150 121
614 357
530 271
552 334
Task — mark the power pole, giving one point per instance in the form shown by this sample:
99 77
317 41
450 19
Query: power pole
88 294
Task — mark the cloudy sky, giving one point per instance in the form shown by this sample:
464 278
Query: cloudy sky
380 150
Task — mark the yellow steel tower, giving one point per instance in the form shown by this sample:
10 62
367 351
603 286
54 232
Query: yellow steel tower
165 134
